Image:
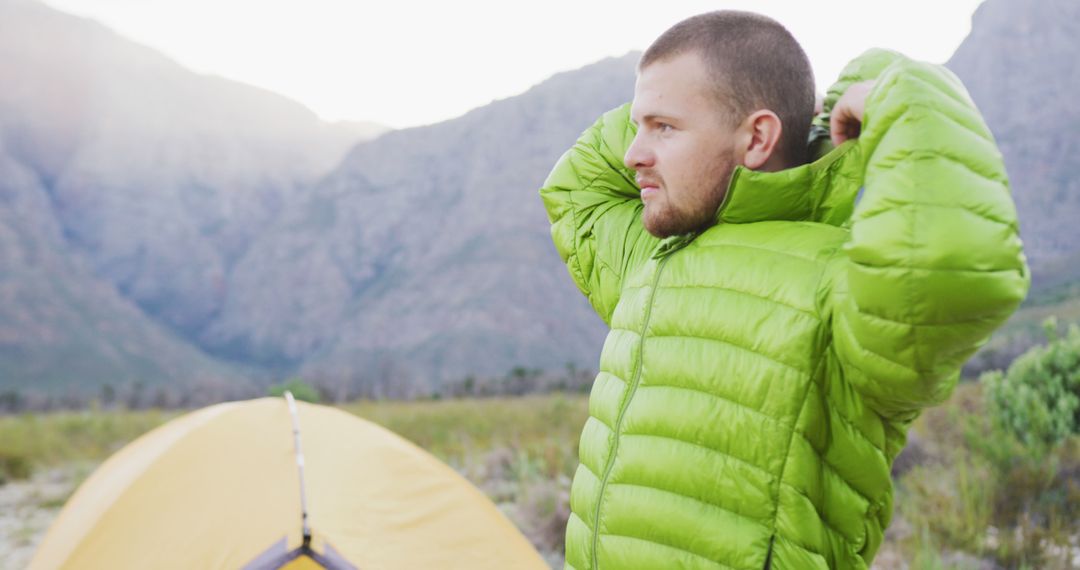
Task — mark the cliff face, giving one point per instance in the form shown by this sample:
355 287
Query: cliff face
62 328
1020 65
130 187
427 253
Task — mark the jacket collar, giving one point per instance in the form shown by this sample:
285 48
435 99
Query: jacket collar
822 191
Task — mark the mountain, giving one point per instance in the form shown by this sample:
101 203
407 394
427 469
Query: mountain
434 254
130 187
163 226
1019 64
426 256
159 176
62 327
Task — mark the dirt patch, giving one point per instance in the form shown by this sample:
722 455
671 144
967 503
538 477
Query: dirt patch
27 508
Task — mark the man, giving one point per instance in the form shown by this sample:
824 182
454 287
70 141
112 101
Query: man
770 342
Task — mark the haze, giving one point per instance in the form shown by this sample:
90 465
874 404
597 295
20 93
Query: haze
415 62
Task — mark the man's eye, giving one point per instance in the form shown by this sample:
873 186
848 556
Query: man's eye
664 127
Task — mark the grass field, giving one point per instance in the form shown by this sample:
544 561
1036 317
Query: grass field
953 507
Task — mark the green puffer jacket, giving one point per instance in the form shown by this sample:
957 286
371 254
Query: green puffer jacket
760 377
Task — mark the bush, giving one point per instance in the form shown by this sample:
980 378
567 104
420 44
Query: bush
1038 399
1029 436
14 465
300 390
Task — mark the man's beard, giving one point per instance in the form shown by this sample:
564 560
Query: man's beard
663 220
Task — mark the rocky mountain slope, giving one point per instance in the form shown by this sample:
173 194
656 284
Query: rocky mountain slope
1019 63
130 186
169 224
426 255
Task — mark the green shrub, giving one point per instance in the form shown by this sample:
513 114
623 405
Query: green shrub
14 465
1038 399
1029 436
300 390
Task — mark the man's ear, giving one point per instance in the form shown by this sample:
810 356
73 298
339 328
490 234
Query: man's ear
760 135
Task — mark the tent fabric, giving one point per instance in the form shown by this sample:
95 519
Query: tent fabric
278 557
220 487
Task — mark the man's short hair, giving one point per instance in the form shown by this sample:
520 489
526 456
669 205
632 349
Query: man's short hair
755 63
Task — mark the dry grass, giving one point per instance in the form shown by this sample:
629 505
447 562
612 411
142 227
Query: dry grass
955 508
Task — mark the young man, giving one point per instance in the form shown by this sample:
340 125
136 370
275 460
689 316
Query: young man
770 342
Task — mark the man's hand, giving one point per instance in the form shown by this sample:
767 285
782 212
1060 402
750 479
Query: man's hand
846 120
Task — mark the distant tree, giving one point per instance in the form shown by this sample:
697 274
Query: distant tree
135 395
108 395
161 398
331 394
10 401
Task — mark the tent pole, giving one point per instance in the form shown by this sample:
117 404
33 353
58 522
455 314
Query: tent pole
300 465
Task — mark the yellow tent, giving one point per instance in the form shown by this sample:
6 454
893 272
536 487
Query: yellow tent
272 483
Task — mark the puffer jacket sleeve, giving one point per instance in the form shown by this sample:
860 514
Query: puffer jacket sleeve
594 206
867 66
934 263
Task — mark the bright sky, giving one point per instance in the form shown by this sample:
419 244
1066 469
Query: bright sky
411 62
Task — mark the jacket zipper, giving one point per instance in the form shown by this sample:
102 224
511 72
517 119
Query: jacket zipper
622 412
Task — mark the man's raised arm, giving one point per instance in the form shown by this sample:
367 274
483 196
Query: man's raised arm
934 263
594 208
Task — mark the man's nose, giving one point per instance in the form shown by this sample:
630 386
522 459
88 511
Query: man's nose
639 155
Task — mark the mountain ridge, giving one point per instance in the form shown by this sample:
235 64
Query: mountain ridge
391 267
123 175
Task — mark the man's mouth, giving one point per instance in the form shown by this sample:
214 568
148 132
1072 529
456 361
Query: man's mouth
648 187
